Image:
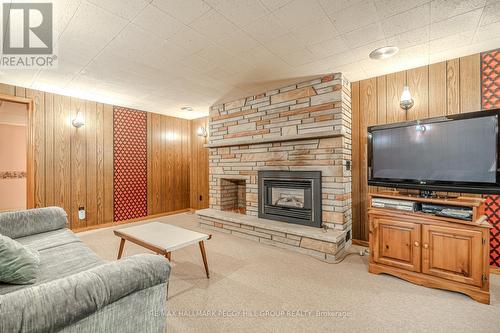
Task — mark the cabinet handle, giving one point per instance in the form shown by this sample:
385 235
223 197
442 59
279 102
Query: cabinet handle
417 244
426 246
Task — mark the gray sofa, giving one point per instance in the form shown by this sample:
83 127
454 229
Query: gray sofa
76 291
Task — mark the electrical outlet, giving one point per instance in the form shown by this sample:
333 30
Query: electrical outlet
81 213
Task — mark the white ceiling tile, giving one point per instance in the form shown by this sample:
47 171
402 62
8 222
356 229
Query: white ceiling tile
337 60
64 10
127 9
450 42
410 38
315 32
283 44
157 22
185 10
329 47
487 32
386 8
491 13
274 4
190 40
353 72
260 56
237 42
265 28
444 9
333 6
363 52
369 34
298 57
356 16
198 64
456 24
91 29
299 13
215 54
414 56
214 25
241 12
409 20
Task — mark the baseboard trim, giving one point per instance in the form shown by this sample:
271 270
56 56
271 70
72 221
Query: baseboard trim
360 242
148 217
494 270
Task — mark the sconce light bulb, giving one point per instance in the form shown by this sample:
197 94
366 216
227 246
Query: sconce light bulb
406 102
201 131
78 121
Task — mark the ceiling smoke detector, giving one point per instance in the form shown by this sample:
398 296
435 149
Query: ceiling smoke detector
384 52
186 108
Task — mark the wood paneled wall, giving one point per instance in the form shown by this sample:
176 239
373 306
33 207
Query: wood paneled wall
439 89
199 166
169 167
74 167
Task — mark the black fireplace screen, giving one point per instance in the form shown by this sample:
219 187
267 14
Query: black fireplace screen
291 196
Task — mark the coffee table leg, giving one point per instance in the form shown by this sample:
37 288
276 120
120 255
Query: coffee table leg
120 251
204 255
169 256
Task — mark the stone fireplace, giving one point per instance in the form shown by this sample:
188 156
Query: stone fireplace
302 129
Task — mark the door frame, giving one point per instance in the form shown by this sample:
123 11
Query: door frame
30 174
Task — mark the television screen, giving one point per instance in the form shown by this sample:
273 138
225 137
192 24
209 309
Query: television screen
441 151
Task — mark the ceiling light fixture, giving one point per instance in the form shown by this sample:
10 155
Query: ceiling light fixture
186 108
384 52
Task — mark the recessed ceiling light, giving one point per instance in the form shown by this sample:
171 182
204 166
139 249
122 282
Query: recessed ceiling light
384 52
187 108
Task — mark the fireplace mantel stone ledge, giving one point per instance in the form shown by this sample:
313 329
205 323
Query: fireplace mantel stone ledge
308 240
254 141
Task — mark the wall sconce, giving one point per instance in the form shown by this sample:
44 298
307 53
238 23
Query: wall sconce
201 131
406 102
78 121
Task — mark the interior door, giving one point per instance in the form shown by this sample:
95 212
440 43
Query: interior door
397 243
452 253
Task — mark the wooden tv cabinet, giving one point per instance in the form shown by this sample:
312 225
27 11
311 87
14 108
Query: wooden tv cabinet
430 250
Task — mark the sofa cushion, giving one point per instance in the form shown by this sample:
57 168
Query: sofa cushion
49 239
32 221
70 256
18 264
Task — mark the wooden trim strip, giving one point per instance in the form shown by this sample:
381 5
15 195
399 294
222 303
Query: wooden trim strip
148 217
360 242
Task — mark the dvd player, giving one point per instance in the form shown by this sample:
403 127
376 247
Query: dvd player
455 212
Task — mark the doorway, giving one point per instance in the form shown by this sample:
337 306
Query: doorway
16 171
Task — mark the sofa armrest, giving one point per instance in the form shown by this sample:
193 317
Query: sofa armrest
32 221
51 306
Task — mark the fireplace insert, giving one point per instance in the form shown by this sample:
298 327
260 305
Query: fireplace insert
290 196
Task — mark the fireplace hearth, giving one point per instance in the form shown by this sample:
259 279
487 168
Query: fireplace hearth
290 196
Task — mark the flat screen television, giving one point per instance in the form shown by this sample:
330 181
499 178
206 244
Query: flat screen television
456 153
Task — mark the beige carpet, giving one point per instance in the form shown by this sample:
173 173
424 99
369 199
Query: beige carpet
252 286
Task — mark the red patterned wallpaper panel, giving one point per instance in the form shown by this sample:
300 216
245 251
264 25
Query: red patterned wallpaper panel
490 99
490 79
130 163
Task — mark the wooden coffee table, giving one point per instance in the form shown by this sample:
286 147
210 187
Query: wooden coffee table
162 239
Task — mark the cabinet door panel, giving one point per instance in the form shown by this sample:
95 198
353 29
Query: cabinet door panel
397 243
452 253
